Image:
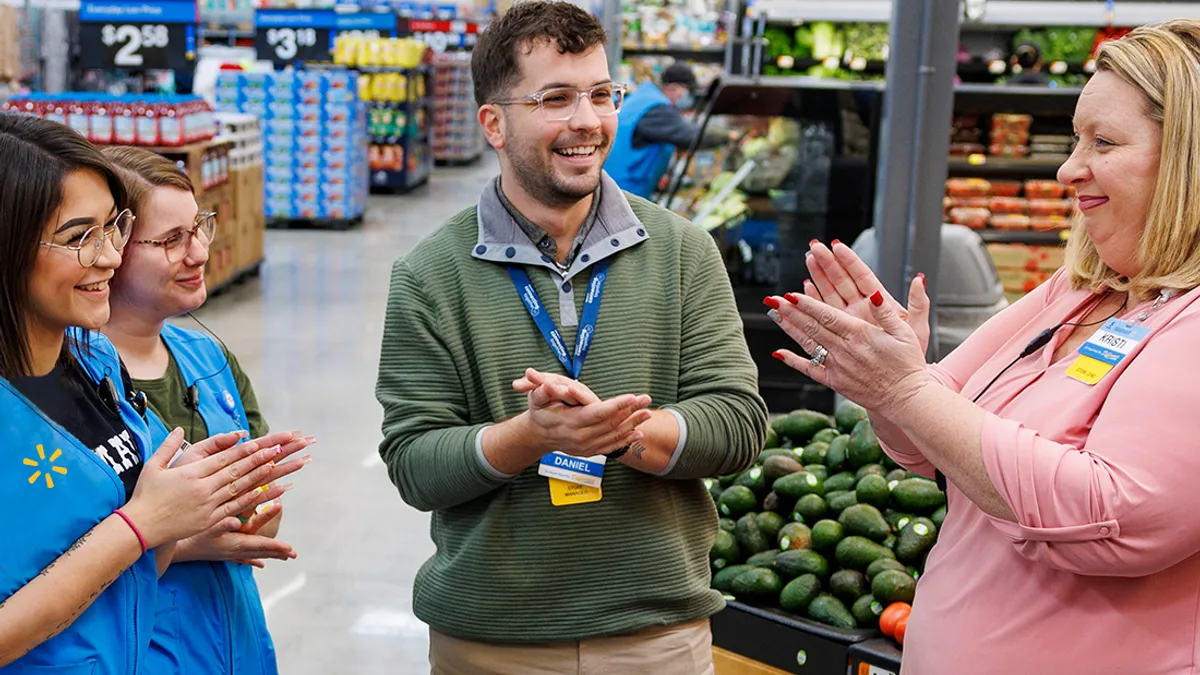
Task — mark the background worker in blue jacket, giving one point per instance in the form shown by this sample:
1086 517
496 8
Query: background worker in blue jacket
88 509
210 617
650 128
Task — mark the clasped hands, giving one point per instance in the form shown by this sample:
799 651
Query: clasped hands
875 347
567 417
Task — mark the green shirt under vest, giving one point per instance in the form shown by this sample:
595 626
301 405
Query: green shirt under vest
166 398
509 566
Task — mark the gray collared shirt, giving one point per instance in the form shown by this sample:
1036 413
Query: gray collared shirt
544 242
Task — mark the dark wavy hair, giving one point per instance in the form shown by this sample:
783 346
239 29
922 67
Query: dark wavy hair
495 60
37 157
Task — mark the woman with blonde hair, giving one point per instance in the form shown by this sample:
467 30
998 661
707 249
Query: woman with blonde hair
1066 427
210 617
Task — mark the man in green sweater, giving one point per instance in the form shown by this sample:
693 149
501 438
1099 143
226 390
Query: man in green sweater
560 444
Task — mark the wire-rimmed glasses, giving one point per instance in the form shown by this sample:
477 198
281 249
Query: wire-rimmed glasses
90 244
560 103
177 244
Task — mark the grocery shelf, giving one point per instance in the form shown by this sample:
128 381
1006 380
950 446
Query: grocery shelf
1029 237
996 13
1007 166
714 54
991 98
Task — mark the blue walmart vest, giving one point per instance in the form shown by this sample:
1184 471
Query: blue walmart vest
638 170
210 618
52 491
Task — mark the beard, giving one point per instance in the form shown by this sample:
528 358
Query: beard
533 169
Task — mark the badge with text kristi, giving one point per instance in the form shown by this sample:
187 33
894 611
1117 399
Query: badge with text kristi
1115 340
573 480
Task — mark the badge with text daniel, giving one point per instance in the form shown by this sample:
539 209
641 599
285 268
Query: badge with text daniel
573 480
1105 349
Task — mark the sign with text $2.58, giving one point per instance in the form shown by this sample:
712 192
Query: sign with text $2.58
138 35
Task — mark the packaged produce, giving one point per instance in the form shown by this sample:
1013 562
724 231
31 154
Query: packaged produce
1008 150
1005 205
845 549
1006 188
971 217
1049 222
1010 221
1011 124
1050 207
968 187
1044 189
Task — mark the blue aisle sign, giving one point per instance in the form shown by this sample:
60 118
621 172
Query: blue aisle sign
160 34
291 36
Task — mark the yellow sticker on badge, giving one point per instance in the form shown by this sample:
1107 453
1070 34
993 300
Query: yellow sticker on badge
563 493
1088 370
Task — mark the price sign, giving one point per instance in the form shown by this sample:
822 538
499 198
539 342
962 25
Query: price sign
290 36
370 25
443 36
138 35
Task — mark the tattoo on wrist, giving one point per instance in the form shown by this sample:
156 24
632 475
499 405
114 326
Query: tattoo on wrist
638 449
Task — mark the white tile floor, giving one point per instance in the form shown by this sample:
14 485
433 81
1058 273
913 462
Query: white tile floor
308 334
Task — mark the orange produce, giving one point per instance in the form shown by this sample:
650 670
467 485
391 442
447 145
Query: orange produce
901 629
892 616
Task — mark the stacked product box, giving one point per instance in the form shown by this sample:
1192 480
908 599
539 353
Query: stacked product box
314 136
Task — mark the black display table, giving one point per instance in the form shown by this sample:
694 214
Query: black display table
875 657
786 642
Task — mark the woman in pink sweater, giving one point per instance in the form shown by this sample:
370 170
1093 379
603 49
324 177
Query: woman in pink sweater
1073 462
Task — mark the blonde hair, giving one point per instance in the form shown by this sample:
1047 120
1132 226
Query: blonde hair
141 171
1163 62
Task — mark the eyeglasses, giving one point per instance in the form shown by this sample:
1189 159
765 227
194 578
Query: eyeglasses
176 246
91 243
559 104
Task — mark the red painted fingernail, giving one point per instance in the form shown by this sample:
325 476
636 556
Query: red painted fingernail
778 355
835 243
921 276
877 299
771 302
793 298
814 242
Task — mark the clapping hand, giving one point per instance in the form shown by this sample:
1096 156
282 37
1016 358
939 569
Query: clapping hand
572 419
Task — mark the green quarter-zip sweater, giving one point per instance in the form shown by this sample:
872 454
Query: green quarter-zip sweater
509 566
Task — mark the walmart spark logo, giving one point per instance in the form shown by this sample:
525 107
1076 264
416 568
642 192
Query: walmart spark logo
37 467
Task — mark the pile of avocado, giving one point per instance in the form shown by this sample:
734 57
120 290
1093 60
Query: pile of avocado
825 525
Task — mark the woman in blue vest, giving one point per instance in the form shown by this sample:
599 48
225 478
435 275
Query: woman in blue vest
90 509
210 617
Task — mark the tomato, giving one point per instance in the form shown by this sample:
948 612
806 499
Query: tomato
892 616
901 629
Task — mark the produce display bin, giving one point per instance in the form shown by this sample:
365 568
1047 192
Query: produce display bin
875 657
785 642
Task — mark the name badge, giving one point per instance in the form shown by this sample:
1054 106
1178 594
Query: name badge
1115 340
587 471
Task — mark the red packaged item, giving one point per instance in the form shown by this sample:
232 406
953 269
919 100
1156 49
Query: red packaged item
1010 123
170 125
1010 221
146 122
77 118
1007 205
968 187
1008 150
973 218
1044 189
100 125
1050 207
1006 188
124 129
55 111
1049 222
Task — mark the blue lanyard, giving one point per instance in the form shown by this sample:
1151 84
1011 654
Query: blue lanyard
587 324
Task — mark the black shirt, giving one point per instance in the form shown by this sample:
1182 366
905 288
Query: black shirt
69 397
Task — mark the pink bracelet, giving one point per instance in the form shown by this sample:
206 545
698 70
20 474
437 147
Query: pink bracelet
141 540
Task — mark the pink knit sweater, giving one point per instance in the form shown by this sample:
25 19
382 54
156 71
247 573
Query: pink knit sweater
1101 575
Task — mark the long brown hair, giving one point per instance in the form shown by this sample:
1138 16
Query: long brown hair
37 157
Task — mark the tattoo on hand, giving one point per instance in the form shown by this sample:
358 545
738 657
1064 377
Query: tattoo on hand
638 449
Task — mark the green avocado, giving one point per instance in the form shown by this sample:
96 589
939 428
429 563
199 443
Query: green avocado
848 585
791 564
811 507
826 534
737 501
838 455
915 540
796 485
830 611
866 611
893 586
863 520
724 550
799 593
758 585
794 536
848 414
864 446
857 553
918 495
840 482
723 580
873 490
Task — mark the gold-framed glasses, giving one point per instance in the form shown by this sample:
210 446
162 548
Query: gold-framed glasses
89 245
560 103
176 245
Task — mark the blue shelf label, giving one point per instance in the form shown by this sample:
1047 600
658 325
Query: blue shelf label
384 22
160 11
295 18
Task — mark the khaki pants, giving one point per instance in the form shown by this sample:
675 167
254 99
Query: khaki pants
678 650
